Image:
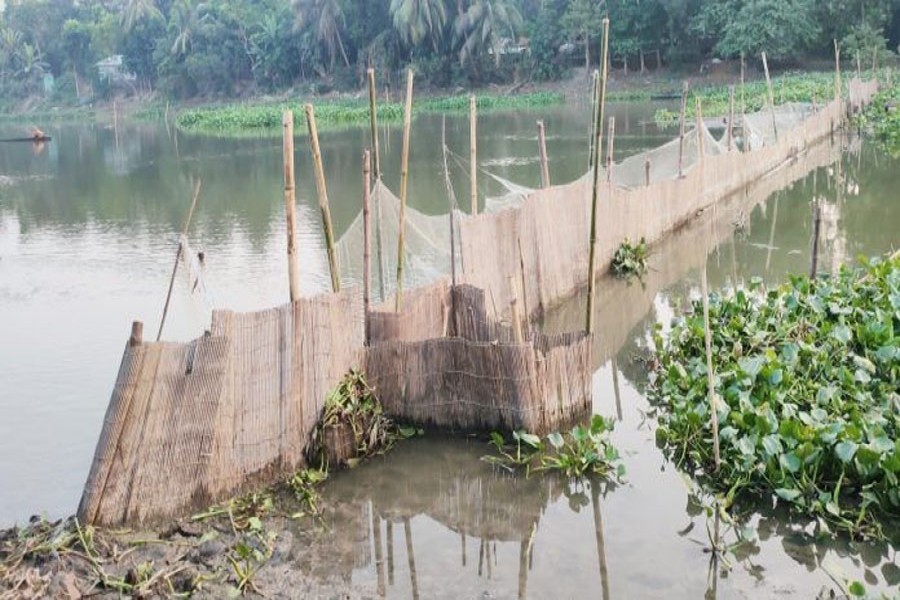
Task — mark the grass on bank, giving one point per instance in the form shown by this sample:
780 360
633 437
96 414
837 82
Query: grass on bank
243 118
807 378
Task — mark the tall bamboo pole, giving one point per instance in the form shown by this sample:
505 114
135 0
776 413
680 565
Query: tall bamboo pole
451 198
322 192
542 144
290 204
367 244
837 70
473 162
595 94
184 232
710 382
610 139
373 118
595 190
771 95
730 117
404 176
647 171
684 93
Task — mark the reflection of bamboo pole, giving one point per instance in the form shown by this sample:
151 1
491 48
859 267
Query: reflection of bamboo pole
684 92
322 192
389 534
367 243
290 204
595 190
480 556
373 118
601 545
772 233
379 560
404 176
473 162
771 95
407 530
709 367
184 232
545 168
615 378
817 224
523 569
462 539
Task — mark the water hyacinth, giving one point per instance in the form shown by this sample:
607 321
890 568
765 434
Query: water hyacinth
807 380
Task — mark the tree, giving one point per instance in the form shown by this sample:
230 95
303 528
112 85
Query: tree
582 18
419 20
325 18
484 26
139 10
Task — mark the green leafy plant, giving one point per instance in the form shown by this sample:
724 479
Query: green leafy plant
630 260
521 453
881 118
303 485
807 378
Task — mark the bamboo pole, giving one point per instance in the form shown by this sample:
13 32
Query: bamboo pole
137 334
410 557
322 192
701 158
730 118
184 232
595 93
817 224
367 243
858 66
379 557
115 108
837 70
373 118
601 544
684 93
771 95
743 108
542 144
389 535
451 197
290 205
595 191
404 176
647 171
473 162
515 317
709 368
522 275
610 137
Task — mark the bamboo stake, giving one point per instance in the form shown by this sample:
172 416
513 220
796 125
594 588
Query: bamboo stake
709 368
389 534
595 93
837 71
376 164
545 168
473 162
610 136
817 224
595 199
137 334
367 244
647 171
404 176
522 275
743 108
514 310
771 95
730 117
684 93
290 205
322 192
701 159
451 197
184 232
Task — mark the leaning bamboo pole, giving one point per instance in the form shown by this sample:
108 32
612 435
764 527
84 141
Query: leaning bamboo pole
730 133
710 377
367 243
184 232
771 94
595 188
290 205
684 93
542 147
322 193
404 176
373 119
473 151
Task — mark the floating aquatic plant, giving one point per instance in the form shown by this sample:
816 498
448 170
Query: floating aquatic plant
882 119
579 452
630 260
806 379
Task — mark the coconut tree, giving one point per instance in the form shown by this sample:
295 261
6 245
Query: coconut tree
325 18
483 26
417 20
186 18
138 10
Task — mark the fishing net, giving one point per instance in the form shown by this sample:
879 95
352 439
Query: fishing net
762 129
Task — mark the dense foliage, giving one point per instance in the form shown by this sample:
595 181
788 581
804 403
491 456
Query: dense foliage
186 48
882 118
807 380
630 260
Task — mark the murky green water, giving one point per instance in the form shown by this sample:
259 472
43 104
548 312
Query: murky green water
88 230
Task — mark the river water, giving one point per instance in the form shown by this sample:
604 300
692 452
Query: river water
88 229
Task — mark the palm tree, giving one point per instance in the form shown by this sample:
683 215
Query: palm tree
483 27
186 18
137 11
325 18
416 20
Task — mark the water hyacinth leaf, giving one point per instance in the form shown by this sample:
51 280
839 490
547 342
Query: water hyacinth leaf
857 589
556 440
772 445
788 494
790 462
841 333
845 451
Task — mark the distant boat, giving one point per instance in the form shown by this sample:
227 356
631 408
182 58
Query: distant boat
34 139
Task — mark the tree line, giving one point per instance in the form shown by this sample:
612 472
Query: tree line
188 48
